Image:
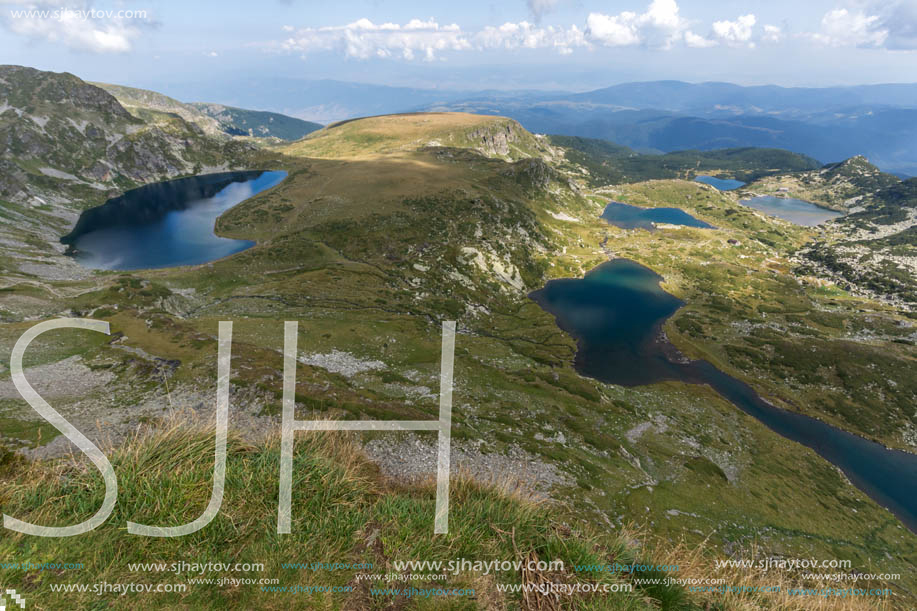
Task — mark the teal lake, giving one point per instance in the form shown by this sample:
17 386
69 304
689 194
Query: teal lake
722 184
626 216
165 224
793 210
616 314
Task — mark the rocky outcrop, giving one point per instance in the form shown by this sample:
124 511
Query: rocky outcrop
494 140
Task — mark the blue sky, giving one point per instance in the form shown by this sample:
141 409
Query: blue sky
507 44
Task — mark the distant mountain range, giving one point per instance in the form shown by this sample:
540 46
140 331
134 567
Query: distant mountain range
829 124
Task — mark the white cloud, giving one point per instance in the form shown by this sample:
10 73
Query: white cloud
844 28
363 39
738 32
75 25
875 23
660 26
616 31
899 19
773 34
697 41
524 35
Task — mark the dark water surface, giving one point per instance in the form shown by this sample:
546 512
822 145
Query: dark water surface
635 217
165 224
616 312
794 210
722 184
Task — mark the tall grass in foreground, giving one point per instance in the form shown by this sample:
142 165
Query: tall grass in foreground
343 512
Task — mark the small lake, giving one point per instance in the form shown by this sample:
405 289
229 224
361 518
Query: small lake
793 210
626 216
721 184
165 224
616 313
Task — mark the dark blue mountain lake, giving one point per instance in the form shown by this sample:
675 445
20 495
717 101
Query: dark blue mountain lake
626 216
721 184
794 210
165 224
616 313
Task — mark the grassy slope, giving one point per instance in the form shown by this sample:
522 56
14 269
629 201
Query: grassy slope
343 513
749 315
338 245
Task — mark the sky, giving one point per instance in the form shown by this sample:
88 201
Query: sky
574 45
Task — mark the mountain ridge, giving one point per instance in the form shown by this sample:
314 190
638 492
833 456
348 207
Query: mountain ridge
216 120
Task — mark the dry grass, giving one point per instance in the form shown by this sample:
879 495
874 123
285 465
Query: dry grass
369 137
695 563
329 190
343 511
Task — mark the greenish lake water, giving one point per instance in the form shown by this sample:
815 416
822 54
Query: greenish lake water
793 210
616 313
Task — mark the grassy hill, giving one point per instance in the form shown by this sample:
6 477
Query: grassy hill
386 134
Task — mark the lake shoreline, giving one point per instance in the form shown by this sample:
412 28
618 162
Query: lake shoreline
842 449
166 224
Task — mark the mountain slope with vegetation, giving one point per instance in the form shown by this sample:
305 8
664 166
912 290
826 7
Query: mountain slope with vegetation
370 521
384 228
874 248
214 119
154 106
841 186
257 123
608 163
